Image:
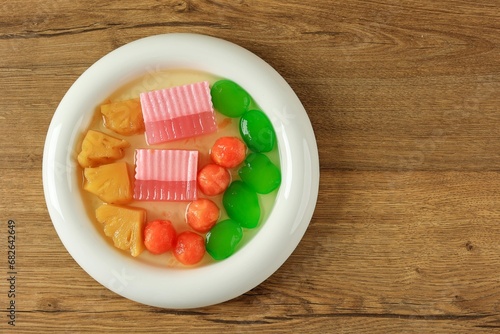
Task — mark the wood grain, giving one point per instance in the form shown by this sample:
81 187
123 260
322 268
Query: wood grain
403 97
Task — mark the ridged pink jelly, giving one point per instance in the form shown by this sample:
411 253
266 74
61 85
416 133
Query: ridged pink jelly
178 112
165 175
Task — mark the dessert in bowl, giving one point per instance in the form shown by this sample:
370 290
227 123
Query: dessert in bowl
162 62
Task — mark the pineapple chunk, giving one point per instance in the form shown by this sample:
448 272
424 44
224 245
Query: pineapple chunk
111 183
124 117
124 225
99 148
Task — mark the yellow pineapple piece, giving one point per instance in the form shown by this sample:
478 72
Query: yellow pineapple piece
99 148
124 225
111 182
124 117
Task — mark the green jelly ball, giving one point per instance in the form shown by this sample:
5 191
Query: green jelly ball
223 238
229 98
257 131
242 204
260 173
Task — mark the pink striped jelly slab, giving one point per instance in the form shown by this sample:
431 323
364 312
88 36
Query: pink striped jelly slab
178 112
165 175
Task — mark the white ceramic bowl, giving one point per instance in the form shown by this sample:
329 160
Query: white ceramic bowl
213 283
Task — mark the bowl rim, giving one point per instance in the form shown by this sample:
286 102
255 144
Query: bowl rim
264 253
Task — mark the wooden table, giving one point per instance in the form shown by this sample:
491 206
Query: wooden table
404 100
